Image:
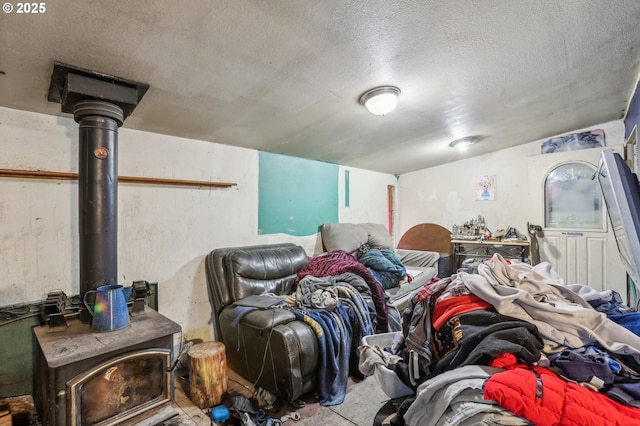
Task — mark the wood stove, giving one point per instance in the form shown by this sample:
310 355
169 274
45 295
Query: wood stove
119 377
83 376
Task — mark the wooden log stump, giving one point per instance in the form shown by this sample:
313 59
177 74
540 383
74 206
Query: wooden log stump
207 373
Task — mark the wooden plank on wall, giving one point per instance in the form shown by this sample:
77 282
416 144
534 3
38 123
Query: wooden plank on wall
40 174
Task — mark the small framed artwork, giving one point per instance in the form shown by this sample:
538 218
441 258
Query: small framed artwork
485 188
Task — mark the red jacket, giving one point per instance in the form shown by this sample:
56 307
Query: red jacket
540 396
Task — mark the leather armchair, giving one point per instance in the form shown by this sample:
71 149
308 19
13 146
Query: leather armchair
268 347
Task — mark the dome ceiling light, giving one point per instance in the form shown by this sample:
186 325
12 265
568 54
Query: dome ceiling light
463 143
380 100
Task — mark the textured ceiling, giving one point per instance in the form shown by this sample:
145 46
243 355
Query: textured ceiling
285 76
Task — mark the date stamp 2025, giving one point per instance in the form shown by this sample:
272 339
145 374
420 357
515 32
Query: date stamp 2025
25 8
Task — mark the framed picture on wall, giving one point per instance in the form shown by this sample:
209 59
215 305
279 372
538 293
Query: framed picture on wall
574 141
485 188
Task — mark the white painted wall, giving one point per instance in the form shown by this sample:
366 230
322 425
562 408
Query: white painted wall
164 232
445 194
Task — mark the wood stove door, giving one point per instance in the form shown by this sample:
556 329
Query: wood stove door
123 388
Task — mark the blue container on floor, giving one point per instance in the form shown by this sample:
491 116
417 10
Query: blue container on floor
220 413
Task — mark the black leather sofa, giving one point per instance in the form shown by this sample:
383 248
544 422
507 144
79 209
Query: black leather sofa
271 347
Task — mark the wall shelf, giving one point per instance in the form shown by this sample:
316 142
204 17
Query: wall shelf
39 174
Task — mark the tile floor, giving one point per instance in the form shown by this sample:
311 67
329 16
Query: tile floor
363 400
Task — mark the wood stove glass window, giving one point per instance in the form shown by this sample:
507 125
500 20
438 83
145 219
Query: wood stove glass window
120 388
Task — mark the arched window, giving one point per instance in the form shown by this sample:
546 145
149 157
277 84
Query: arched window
572 198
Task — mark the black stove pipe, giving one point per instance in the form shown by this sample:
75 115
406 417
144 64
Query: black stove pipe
97 194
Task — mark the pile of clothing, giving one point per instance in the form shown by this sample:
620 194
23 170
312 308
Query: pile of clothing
342 297
514 344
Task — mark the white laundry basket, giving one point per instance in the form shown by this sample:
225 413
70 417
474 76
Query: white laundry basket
391 384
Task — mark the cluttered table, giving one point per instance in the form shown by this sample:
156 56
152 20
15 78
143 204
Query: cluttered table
485 248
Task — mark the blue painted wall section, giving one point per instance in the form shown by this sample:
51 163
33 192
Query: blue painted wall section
633 113
295 196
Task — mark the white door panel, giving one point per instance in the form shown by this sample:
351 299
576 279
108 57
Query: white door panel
579 255
568 255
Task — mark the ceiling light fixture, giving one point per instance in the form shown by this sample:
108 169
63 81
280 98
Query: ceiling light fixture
463 143
380 100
